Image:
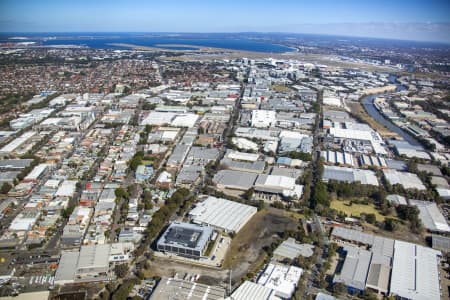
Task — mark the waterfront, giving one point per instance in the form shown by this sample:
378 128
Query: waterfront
368 103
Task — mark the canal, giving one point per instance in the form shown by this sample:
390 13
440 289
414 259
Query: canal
368 103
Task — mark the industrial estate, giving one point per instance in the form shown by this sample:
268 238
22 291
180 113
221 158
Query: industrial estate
220 174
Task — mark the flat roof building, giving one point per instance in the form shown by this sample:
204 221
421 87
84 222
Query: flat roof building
185 239
263 118
430 215
350 175
415 272
253 291
405 179
291 249
281 278
173 288
236 180
355 269
223 214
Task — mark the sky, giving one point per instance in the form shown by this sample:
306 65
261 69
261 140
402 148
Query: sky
399 19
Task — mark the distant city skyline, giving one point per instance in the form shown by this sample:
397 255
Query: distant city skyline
407 20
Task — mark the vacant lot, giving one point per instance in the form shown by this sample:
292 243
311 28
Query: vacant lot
245 252
356 210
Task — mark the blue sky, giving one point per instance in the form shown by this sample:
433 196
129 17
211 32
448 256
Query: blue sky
406 19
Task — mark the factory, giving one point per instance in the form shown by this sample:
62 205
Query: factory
222 214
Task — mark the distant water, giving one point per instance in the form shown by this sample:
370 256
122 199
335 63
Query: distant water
104 41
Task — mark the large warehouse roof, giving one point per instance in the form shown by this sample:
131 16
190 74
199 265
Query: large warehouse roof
415 273
172 288
235 179
253 291
350 175
356 267
407 180
430 216
221 213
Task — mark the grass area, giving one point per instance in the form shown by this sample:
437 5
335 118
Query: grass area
295 215
356 210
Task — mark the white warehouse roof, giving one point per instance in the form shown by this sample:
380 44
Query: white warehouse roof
415 273
221 213
406 179
253 291
430 216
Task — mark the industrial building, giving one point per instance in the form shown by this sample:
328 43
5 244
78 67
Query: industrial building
173 288
226 215
415 272
236 180
340 158
349 175
405 179
355 269
185 239
282 279
291 249
397 268
90 263
263 118
253 291
277 184
430 215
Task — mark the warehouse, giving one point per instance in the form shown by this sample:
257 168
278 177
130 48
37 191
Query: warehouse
291 249
173 119
277 184
349 175
281 278
341 158
355 269
185 239
415 272
263 118
405 179
236 180
430 215
226 215
253 291
16 143
241 156
173 288
364 137
37 173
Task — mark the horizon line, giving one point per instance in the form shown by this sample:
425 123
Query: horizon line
233 32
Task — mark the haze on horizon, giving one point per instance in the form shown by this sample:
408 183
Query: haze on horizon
400 19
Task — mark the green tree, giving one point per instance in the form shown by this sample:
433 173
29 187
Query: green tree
6 187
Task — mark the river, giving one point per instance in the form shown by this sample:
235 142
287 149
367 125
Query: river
368 103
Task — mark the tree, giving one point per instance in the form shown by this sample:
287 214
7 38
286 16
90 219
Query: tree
339 288
121 270
6 187
390 224
249 194
371 218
